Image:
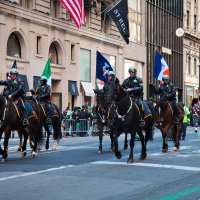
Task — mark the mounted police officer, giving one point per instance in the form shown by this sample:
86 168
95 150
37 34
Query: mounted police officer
134 86
43 93
111 80
167 92
14 90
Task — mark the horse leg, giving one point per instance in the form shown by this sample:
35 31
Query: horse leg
111 140
126 141
48 136
20 142
143 154
57 133
116 150
165 145
132 143
100 130
23 149
177 137
5 143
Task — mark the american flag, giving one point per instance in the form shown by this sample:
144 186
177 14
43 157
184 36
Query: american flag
75 8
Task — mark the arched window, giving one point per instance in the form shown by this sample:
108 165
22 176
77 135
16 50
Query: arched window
13 46
54 54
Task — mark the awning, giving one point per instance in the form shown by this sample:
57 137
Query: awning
100 87
24 79
73 88
88 88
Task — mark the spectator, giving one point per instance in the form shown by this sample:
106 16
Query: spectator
66 124
186 119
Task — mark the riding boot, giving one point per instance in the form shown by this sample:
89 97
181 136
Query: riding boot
24 113
48 113
141 122
176 112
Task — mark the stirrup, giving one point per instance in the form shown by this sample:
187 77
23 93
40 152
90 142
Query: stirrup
25 122
48 120
176 120
142 123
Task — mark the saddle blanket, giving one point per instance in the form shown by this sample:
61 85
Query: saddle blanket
147 112
29 109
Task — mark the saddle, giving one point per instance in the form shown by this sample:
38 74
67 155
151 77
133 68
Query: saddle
145 110
53 112
30 111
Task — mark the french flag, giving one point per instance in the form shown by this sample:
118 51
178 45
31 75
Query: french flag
160 67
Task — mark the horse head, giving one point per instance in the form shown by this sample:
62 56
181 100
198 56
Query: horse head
100 99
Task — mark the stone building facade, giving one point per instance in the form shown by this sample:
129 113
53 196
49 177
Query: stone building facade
191 49
31 30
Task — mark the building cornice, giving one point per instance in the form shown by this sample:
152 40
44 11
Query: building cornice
45 20
192 37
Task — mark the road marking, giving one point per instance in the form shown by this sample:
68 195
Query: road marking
181 194
33 173
186 168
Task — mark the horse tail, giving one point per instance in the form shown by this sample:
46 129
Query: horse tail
40 135
57 124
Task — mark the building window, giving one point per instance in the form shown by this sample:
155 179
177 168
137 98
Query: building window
13 46
73 51
195 23
189 65
85 65
39 47
188 18
111 60
137 65
105 19
25 3
195 66
135 20
53 54
55 9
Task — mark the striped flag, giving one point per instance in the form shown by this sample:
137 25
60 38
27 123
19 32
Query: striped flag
75 8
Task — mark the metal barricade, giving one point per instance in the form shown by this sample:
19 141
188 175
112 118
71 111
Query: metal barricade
81 127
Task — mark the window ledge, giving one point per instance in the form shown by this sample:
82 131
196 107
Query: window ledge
17 59
39 56
57 66
73 62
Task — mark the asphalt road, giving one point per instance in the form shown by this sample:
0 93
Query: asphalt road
77 172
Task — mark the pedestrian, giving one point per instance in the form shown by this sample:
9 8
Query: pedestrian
186 119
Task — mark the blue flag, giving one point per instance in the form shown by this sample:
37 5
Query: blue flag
102 68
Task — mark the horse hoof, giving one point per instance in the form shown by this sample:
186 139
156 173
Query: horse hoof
143 156
99 151
53 148
175 149
19 149
33 154
130 160
23 153
164 150
47 147
118 155
125 147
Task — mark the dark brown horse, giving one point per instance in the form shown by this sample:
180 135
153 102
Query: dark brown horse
56 120
126 118
11 119
101 116
165 122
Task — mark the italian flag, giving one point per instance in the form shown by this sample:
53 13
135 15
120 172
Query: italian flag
47 72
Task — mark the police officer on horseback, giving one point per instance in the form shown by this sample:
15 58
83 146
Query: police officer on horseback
134 86
14 90
167 92
43 93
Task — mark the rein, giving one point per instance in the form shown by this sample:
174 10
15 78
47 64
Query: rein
121 103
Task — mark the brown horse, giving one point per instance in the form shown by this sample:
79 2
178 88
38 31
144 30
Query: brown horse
10 116
165 122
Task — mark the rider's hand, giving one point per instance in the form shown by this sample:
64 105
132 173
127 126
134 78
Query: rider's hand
9 96
129 90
